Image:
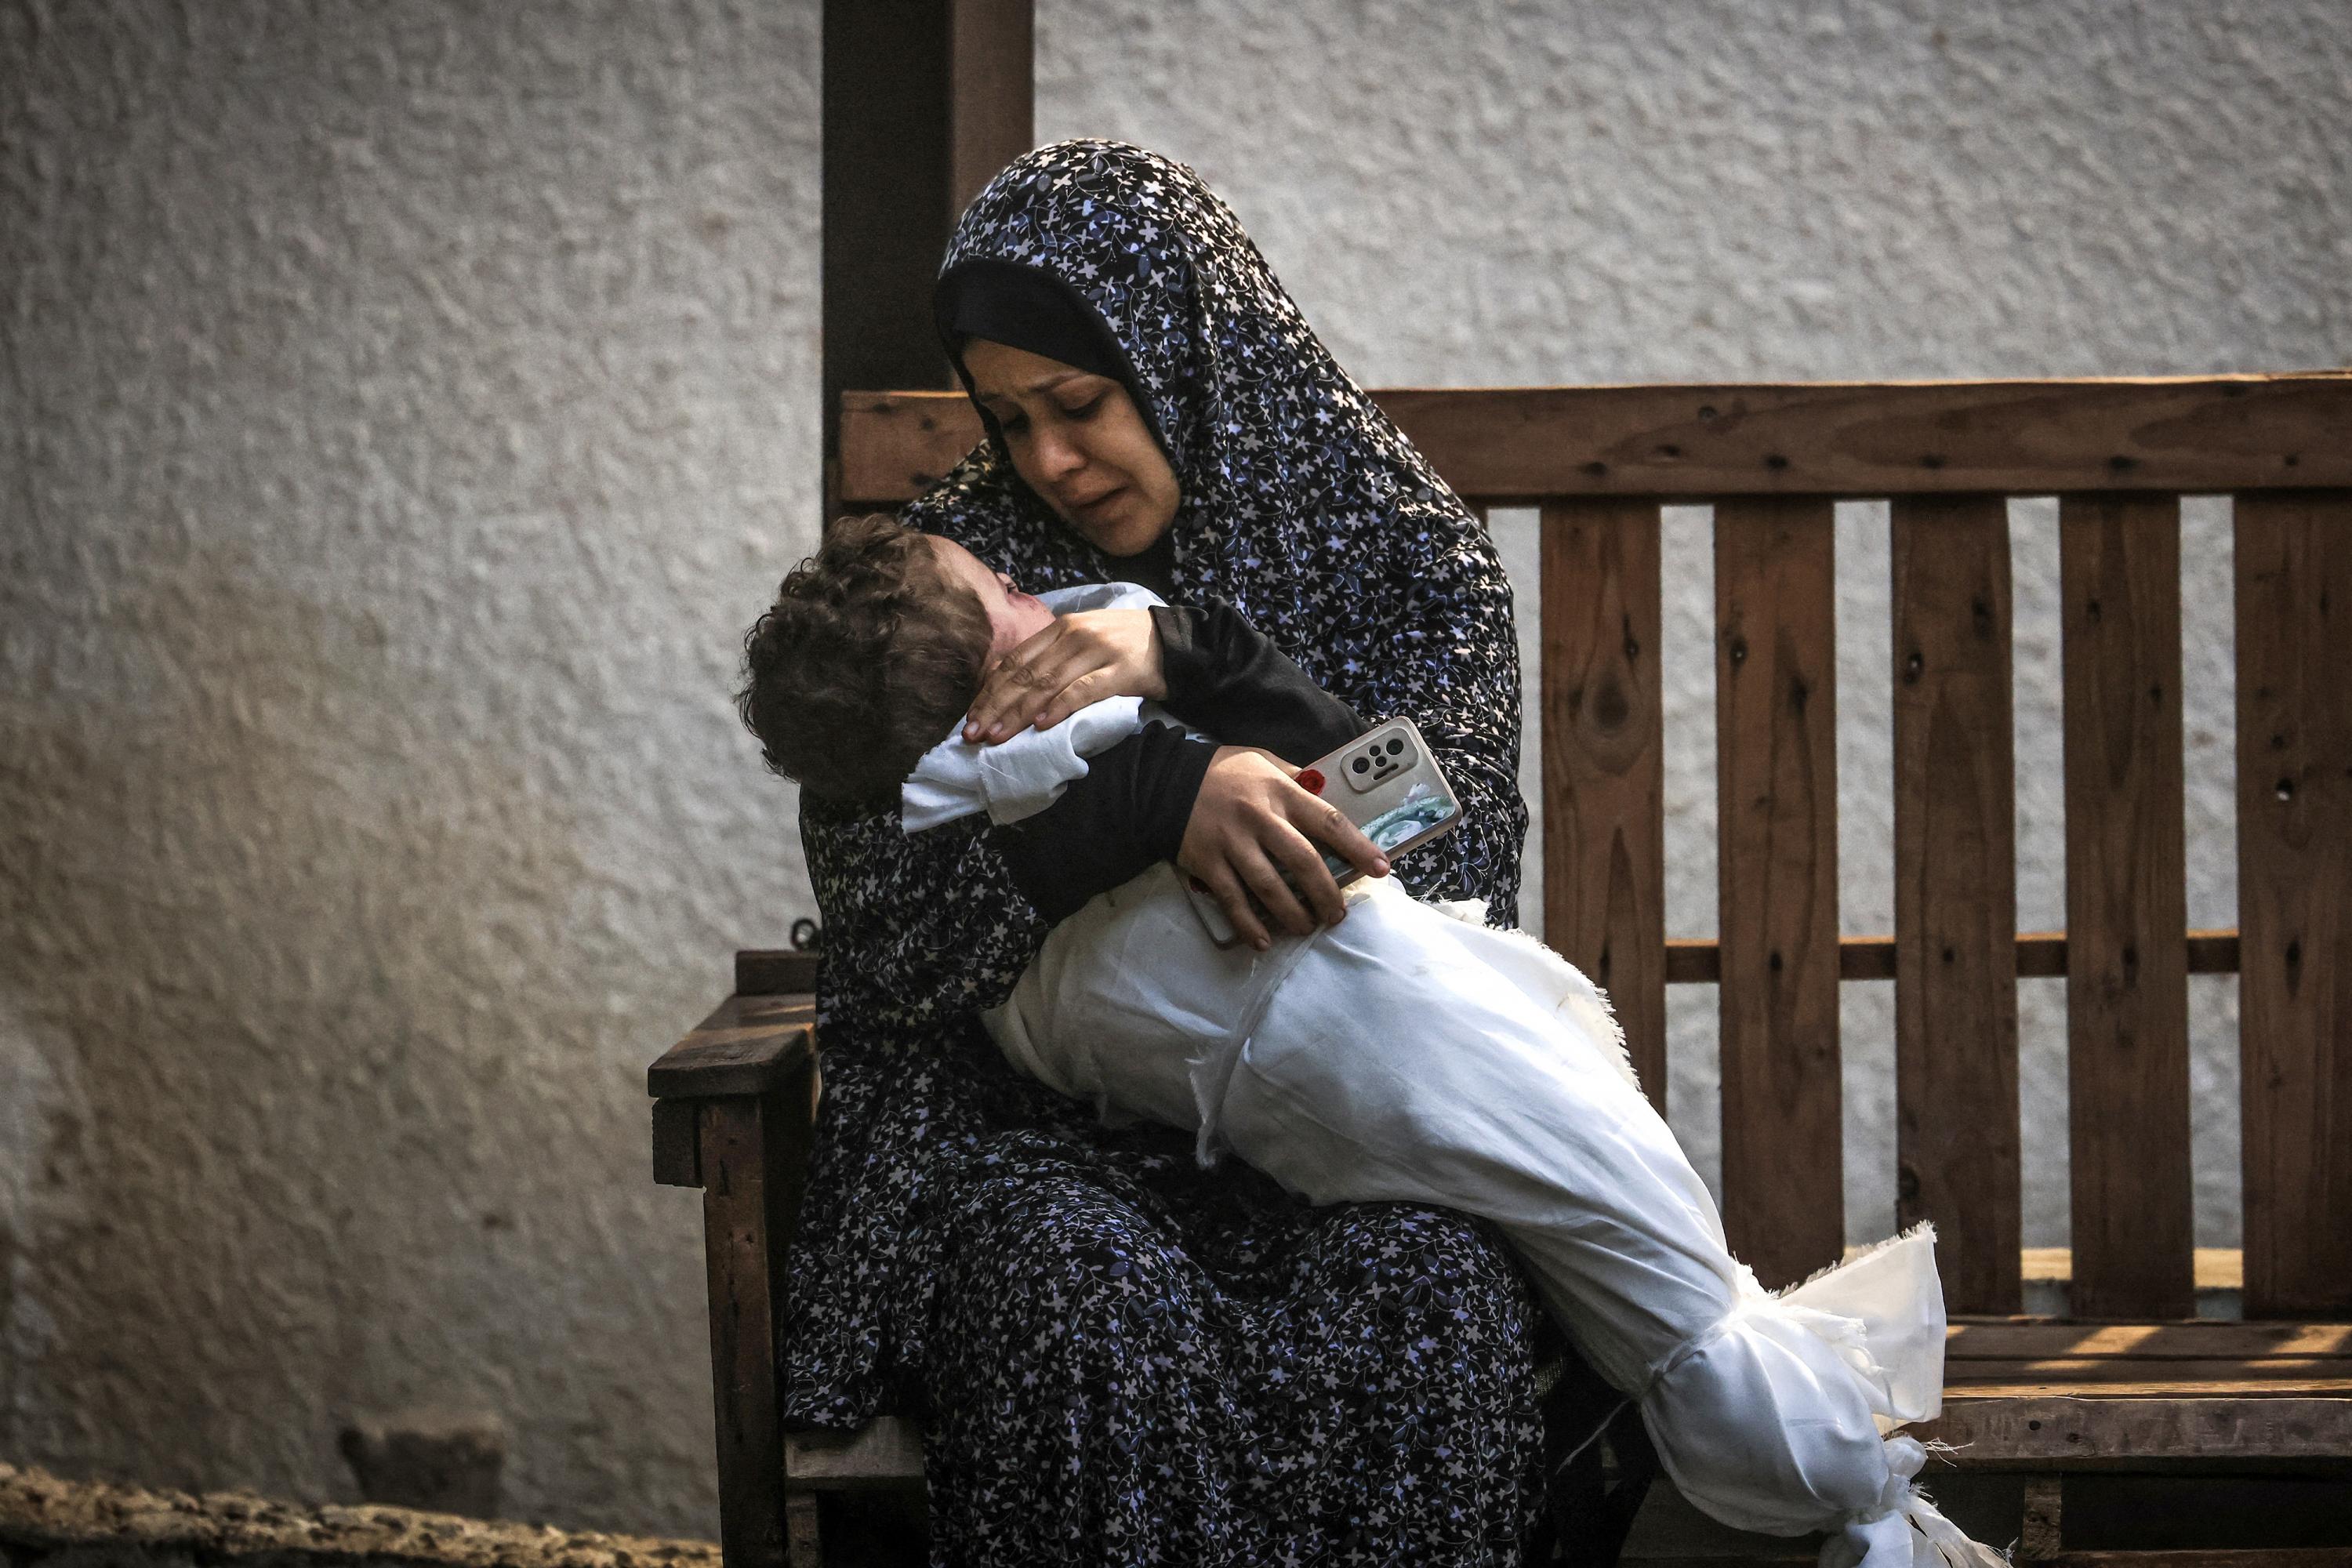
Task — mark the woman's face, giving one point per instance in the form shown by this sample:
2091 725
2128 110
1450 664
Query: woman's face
1077 439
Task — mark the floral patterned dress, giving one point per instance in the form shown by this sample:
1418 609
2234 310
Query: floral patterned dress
1120 1357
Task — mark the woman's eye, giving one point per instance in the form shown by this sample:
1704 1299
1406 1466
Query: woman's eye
1014 426
1086 410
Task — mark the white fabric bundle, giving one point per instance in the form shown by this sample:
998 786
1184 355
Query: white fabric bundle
1412 1054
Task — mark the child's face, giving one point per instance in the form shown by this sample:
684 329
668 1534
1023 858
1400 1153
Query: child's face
1013 616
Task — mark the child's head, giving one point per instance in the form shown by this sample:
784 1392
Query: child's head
871 653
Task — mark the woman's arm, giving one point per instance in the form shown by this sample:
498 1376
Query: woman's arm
1125 814
1222 674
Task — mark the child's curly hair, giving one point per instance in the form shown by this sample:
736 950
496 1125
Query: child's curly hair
868 658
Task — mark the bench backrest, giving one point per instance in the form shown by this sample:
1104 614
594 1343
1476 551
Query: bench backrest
1771 461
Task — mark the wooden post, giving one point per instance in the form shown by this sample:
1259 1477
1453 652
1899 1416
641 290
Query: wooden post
924 99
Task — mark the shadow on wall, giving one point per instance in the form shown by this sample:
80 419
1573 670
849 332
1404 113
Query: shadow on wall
268 1136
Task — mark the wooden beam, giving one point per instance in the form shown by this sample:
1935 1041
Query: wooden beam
1956 894
1972 1340
991 92
678 1136
1604 763
918 96
736 1225
1522 446
747 1045
2126 898
2061 1432
1776 786
2041 955
2294 565
888 1451
774 971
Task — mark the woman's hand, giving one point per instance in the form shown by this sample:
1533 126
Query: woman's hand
1080 659
1250 823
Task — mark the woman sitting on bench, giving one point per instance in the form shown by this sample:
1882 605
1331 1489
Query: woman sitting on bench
1117 1356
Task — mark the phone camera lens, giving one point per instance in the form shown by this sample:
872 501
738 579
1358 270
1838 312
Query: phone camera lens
1362 763
1396 744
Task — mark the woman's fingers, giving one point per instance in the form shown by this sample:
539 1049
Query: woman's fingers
1077 691
1226 889
1308 875
1017 685
1330 826
1263 876
1080 659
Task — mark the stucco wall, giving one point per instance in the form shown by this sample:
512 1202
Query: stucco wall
402 409
408 408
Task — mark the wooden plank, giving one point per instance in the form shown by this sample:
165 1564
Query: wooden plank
1527 445
2294 896
1775 738
747 1045
2195 1340
1604 763
774 971
2127 896
736 1224
2173 1379
991 92
2039 955
1956 894
2060 1432
886 1452
2205 1557
677 1139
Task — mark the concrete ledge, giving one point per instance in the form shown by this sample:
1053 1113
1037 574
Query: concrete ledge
56 1523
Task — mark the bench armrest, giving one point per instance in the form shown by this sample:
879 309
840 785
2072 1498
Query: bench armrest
734 1112
749 1044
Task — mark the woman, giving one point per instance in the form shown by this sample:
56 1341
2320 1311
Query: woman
1120 1357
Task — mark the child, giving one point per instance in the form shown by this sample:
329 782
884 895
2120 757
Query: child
1408 1052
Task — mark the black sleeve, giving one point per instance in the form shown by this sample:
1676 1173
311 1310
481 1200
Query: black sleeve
1127 813
1227 678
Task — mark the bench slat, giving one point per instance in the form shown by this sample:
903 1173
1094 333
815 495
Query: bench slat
2294 896
1956 894
2128 984
2054 1432
1776 723
2194 1340
2100 1375
1604 763
1516 444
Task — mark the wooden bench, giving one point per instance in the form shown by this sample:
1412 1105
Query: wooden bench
2128 1380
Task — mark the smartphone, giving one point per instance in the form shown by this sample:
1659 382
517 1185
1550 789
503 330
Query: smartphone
1386 783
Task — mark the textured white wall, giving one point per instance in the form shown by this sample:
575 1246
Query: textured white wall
406 409
403 409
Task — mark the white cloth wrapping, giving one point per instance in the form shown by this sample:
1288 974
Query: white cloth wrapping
1410 1056
1024 774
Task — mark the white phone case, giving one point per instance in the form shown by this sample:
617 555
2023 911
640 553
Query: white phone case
1386 783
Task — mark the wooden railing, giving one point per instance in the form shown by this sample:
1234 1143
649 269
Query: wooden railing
1600 461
